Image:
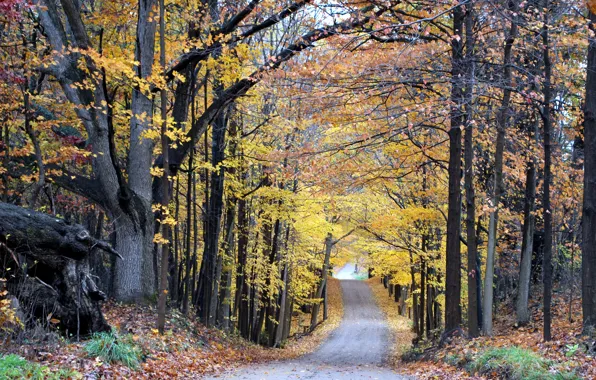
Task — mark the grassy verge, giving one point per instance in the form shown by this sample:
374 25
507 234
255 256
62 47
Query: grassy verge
15 367
516 363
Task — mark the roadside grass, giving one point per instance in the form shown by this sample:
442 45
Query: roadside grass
516 363
16 367
114 349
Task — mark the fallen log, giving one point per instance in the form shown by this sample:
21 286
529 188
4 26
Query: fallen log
44 263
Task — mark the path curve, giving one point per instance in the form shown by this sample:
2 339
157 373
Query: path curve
357 349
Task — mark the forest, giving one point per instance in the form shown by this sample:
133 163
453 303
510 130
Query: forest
187 177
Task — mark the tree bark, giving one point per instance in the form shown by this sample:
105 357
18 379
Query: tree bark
548 224
453 271
502 121
589 205
52 277
525 268
473 329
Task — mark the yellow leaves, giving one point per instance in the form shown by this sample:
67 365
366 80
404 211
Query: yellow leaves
159 239
156 171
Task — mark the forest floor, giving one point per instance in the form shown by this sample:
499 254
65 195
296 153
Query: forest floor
565 357
187 350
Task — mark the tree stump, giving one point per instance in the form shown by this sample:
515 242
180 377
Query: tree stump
44 263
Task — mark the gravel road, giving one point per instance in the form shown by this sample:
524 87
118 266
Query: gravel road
357 349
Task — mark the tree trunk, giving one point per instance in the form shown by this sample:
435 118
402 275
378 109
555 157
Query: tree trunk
453 271
589 206
548 224
473 330
525 267
319 294
213 223
502 121
53 276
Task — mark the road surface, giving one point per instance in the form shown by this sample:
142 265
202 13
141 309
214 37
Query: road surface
357 349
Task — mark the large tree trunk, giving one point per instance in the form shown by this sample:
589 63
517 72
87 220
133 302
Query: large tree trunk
52 275
473 276
127 200
453 271
213 224
589 206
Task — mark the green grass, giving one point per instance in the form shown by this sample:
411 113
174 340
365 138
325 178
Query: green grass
114 349
517 364
16 367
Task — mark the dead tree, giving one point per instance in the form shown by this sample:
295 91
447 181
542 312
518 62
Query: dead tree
45 268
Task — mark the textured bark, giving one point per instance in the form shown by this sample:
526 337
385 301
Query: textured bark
453 271
53 276
497 190
525 267
473 329
329 243
127 204
589 206
548 223
213 224
165 181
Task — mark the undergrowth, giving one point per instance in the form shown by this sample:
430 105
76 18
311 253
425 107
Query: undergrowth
15 367
114 349
517 363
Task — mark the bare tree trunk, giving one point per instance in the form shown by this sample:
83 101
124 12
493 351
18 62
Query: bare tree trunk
548 224
473 329
589 206
165 227
329 243
453 271
525 268
502 121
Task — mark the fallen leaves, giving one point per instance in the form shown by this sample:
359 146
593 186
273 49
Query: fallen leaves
188 350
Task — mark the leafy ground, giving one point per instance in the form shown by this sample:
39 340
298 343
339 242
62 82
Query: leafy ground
187 350
565 357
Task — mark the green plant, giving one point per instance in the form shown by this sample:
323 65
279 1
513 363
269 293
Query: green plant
517 364
16 367
572 349
113 348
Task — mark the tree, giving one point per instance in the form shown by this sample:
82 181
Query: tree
453 271
589 205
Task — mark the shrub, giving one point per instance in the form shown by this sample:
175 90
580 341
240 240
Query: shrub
16 367
517 363
112 348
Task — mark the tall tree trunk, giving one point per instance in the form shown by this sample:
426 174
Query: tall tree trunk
589 206
473 329
165 185
525 267
548 224
413 288
493 227
213 222
453 271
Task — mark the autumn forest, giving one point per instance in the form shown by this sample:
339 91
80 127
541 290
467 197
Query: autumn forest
201 184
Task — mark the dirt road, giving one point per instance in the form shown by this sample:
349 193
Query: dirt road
357 349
